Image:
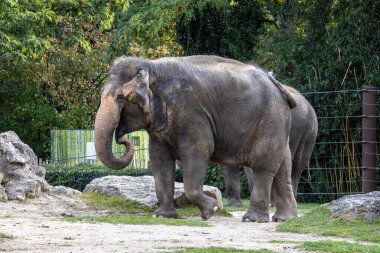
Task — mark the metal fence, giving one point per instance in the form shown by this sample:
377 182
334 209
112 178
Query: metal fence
345 159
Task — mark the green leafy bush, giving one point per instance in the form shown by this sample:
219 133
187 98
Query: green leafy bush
79 176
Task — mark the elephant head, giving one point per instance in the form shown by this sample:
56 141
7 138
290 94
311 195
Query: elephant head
124 108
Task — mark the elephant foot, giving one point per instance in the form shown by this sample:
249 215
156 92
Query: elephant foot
166 213
208 208
281 217
234 202
207 214
256 216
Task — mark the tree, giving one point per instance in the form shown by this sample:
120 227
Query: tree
52 64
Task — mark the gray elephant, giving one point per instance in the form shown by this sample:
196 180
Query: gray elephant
303 133
201 109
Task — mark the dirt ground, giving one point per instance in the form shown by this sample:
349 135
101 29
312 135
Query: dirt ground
39 226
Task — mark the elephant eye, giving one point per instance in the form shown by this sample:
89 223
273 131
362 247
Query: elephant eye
139 72
120 98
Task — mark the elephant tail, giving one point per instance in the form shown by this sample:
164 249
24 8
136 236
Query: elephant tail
292 102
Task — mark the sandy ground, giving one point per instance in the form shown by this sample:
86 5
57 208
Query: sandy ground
39 226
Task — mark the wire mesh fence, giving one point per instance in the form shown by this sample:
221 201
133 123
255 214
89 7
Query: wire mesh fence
336 166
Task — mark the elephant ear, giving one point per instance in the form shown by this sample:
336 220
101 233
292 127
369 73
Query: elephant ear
137 90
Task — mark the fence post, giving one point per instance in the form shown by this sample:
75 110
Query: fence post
369 139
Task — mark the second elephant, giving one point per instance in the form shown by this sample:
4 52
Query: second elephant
303 133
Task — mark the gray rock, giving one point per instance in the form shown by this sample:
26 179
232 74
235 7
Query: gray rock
38 170
142 189
359 205
17 151
21 177
64 191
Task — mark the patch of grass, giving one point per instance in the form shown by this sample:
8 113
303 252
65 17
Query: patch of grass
193 210
221 250
132 212
234 208
319 221
285 241
119 204
340 247
5 236
302 207
133 219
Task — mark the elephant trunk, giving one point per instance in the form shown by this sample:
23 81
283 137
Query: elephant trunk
107 118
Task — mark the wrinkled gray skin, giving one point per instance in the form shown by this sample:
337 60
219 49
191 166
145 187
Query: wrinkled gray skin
200 109
303 133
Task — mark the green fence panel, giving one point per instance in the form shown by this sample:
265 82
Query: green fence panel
69 147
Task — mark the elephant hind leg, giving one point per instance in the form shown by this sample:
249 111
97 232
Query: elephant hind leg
260 196
232 180
286 205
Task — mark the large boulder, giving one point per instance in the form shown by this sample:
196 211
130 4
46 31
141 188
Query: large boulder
142 189
20 175
359 205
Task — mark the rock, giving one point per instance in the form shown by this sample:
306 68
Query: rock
142 189
359 205
64 191
21 177
38 170
17 151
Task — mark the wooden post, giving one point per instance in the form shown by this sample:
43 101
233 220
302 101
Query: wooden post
369 139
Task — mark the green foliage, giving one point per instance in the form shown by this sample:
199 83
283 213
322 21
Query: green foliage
319 221
52 64
79 176
229 30
32 29
148 28
340 247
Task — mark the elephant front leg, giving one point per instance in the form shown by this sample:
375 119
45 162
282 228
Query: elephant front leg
260 197
163 169
194 163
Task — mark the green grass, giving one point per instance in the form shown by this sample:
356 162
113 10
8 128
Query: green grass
319 221
221 250
192 210
234 208
119 204
340 247
285 241
132 212
5 236
133 219
302 208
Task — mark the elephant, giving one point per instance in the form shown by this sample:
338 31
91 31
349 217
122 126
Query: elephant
303 134
200 109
